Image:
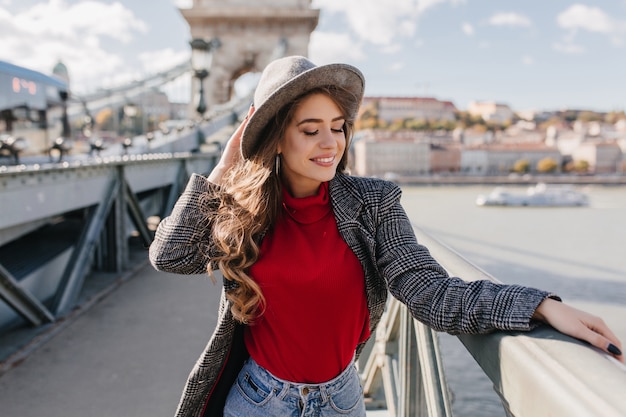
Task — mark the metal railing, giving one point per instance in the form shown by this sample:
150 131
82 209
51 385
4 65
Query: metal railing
402 367
112 201
541 372
110 198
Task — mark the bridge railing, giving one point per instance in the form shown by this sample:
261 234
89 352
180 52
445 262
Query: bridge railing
60 224
61 221
542 372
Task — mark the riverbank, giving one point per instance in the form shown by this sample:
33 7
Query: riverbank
513 179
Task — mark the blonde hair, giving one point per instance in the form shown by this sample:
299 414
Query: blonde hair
250 203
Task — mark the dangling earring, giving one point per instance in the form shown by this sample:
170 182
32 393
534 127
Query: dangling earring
277 165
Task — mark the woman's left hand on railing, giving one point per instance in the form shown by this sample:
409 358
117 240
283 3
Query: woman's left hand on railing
579 324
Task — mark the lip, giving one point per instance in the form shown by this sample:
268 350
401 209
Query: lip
324 160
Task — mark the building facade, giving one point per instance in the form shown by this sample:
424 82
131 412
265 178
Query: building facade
386 154
499 158
418 108
491 111
603 157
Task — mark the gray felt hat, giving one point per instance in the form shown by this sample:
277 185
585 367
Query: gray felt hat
287 78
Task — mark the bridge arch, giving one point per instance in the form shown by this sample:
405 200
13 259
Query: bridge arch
251 34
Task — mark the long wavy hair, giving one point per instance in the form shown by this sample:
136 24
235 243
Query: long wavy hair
250 202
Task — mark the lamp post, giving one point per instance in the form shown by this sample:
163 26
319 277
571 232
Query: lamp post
201 58
62 145
11 147
65 123
128 112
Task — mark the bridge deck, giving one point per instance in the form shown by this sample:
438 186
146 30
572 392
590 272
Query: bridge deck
127 354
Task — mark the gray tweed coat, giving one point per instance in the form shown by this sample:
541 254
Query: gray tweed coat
373 223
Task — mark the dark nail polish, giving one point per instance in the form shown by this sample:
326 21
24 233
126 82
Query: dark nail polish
614 349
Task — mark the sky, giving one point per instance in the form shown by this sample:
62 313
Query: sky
531 55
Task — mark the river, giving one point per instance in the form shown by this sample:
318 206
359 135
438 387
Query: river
576 252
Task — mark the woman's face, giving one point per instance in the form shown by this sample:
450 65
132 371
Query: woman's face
313 145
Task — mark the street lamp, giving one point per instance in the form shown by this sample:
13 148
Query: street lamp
11 147
60 147
88 122
201 58
65 123
127 118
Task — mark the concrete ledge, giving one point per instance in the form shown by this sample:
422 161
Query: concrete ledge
545 373
542 372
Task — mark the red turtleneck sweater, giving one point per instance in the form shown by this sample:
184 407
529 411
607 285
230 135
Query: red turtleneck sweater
313 284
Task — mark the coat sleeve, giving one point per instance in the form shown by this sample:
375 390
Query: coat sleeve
444 303
181 241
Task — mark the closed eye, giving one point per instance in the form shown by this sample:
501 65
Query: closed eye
315 132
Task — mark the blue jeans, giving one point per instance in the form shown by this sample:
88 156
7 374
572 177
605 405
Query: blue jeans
257 393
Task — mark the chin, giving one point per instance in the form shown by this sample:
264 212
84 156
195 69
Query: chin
328 176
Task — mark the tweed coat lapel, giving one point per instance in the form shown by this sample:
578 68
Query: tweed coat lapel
354 201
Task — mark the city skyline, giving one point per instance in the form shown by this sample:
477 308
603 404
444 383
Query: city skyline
535 55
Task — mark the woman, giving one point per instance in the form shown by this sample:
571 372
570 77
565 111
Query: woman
309 254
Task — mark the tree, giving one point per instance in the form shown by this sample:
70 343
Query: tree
397 125
552 121
521 166
614 116
590 116
579 166
369 117
547 165
104 119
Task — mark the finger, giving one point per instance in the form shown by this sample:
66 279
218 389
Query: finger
239 131
584 326
616 352
597 333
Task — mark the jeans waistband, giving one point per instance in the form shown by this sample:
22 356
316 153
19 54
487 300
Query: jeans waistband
303 389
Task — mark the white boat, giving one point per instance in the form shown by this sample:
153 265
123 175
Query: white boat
539 195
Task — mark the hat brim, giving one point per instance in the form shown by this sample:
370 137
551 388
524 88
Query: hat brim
342 75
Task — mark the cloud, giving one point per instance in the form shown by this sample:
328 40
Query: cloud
76 32
396 66
392 49
374 21
510 19
183 4
59 20
579 17
592 19
568 48
468 29
163 60
327 47
528 60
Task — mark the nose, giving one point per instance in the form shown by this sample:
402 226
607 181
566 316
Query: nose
327 139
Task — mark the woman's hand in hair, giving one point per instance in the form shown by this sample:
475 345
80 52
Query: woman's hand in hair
231 154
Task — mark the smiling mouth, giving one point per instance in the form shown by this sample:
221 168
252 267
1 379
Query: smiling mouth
327 160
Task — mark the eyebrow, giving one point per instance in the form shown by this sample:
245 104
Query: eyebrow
319 120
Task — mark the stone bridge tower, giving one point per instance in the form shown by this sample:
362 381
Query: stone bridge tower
251 33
